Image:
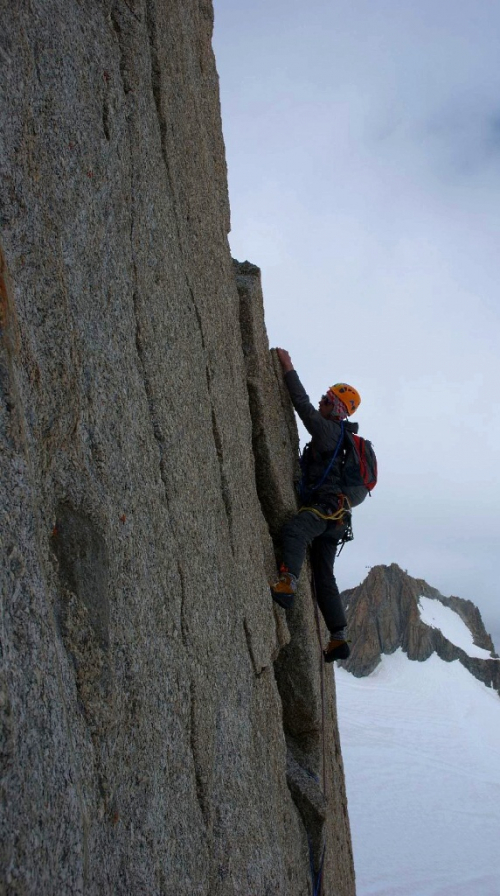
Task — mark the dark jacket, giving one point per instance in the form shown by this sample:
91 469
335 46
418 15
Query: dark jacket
325 437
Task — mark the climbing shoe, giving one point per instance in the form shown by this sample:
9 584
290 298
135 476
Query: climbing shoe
283 591
336 650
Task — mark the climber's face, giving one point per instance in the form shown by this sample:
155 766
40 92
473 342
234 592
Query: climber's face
325 406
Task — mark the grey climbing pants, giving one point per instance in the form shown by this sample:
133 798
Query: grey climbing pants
306 529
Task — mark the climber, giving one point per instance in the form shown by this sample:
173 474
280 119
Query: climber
324 518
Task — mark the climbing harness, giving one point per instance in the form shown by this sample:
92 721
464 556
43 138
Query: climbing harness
344 509
342 515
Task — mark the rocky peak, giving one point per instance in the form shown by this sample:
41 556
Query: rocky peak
386 612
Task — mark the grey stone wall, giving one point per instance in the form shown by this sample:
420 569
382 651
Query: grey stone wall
147 740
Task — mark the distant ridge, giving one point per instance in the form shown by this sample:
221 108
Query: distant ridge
386 612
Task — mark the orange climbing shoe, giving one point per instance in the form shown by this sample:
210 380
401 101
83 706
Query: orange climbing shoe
336 650
283 591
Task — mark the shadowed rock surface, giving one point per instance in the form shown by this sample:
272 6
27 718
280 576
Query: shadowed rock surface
383 614
307 690
161 734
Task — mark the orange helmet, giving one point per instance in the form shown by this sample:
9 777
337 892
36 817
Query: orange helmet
347 395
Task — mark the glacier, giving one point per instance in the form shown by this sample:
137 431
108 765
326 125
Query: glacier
421 748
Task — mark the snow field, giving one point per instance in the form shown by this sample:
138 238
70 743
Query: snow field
421 749
436 615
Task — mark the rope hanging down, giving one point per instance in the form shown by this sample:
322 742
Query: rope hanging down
318 878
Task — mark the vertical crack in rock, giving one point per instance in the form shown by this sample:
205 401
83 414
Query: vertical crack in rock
258 669
121 31
156 77
225 489
156 87
261 451
12 430
106 120
155 427
201 793
184 626
224 484
120 28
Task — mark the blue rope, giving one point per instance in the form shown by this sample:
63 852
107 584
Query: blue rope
316 878
317 885
329 467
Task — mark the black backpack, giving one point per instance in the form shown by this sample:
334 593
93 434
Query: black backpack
358 476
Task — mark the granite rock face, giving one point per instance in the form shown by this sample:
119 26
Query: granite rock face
383 614
161 733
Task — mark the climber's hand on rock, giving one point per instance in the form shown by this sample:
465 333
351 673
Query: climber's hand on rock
284 359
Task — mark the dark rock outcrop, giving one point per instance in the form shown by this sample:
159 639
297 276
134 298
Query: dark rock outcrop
314 761
161 734
383 614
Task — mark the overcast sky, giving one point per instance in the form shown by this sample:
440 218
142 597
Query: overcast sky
363 150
